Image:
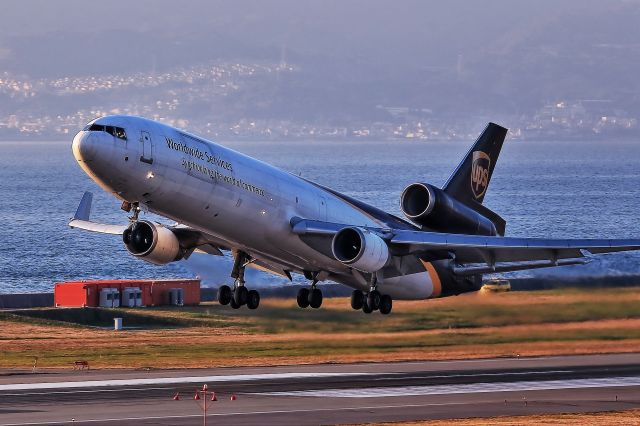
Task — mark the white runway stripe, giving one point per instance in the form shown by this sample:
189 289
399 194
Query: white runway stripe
379 392
171 380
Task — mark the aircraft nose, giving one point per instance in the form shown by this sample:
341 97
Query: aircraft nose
82 147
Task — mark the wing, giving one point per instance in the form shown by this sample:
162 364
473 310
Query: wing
474 254
81 220
190 239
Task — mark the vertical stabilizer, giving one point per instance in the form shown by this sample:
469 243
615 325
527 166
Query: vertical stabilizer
469 182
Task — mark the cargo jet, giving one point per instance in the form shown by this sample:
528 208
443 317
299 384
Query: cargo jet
224 201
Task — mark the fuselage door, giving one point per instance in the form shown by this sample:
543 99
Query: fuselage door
147 148
322 207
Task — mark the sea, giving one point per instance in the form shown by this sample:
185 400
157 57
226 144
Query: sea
573 189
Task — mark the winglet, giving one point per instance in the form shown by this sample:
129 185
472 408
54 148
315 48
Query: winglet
84 208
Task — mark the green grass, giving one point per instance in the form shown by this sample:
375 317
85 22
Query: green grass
277 318
455 322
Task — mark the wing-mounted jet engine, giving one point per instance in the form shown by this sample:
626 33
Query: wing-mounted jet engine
152 242
361 249
434 209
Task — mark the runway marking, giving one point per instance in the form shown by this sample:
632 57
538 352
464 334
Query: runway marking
378 392
378 379
173 380
244 413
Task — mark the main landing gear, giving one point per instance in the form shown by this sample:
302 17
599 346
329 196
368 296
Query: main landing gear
371 301
239 295
310 297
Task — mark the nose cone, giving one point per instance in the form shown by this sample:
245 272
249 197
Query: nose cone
82 147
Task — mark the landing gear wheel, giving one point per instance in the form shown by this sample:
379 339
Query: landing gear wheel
357 300
240 295
233 303
253 299
303 297
315 298
385 304
373 299
366 308
224 295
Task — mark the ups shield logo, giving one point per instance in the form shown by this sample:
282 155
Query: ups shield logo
480 173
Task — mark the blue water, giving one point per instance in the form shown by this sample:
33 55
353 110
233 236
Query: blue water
542 189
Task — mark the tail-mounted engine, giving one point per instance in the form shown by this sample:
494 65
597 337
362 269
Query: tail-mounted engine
433 208
360 249
152 242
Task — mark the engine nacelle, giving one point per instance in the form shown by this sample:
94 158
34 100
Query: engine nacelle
433 208
152 242
360 249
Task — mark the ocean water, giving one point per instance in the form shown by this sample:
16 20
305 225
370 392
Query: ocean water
542 189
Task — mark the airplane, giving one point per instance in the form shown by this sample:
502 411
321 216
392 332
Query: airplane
269 219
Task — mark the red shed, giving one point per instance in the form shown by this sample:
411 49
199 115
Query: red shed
154 292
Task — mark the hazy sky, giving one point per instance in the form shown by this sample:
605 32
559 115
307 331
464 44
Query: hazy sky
417 31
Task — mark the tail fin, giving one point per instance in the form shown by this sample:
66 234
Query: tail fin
470 180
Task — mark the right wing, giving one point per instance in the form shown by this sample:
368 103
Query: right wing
81 220
189 238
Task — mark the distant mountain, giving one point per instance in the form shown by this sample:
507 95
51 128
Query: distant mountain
354 58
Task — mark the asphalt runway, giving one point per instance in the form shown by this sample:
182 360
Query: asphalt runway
325 394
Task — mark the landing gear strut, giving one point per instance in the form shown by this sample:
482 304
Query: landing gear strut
239 295
310 296
128 207
373 300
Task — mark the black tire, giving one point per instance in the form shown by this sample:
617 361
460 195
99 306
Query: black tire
233 303
373 299
357 300
303 297
366 308
224 295
240 295
253 299
315 298
386 304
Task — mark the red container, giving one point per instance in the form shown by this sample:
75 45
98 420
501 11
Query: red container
154 292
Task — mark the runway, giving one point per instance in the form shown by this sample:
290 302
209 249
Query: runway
325 394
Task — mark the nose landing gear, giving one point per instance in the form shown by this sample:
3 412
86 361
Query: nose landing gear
239 295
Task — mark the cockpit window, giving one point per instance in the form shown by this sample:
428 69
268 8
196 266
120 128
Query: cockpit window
120 134
117 132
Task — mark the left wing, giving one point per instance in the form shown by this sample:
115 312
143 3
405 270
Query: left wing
482 254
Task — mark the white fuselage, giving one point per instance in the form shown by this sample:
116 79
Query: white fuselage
244 203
